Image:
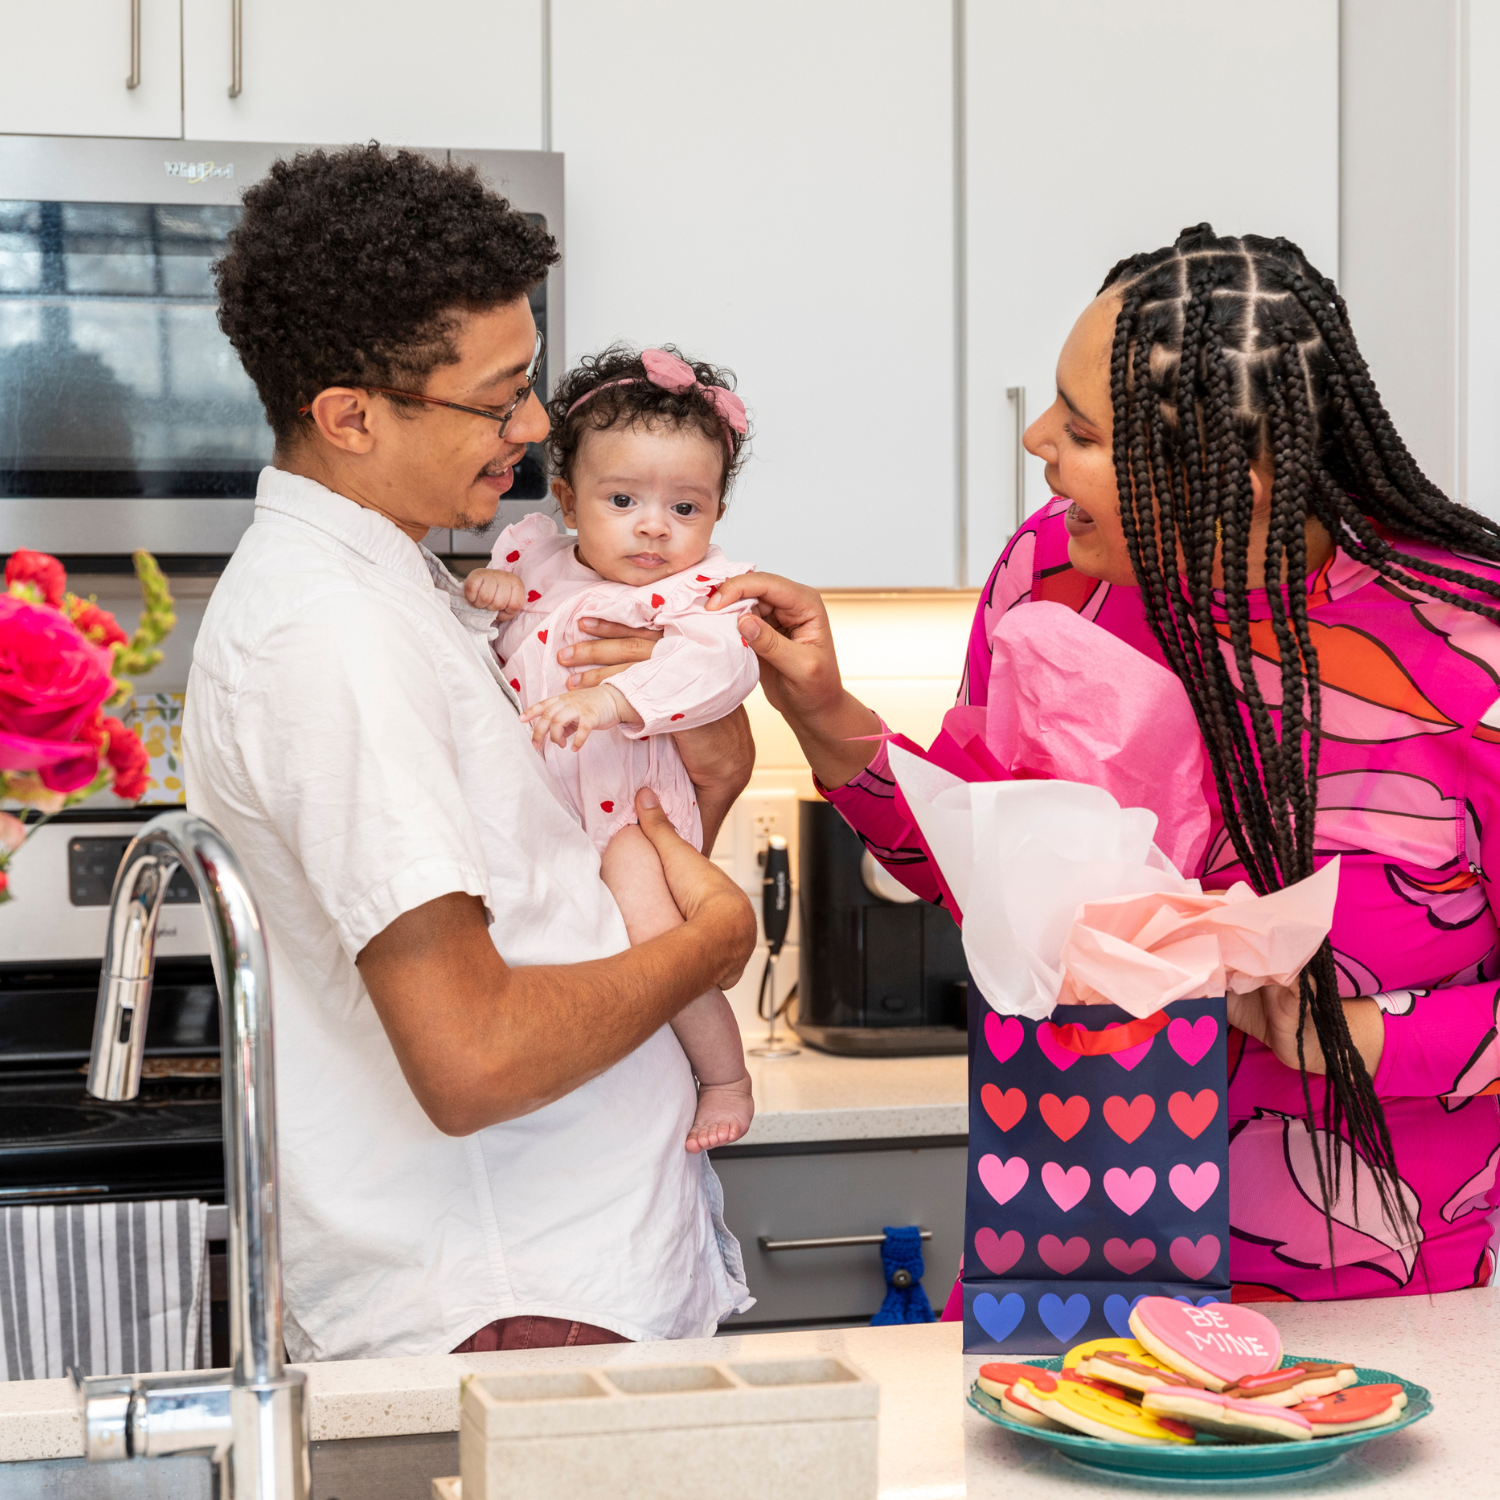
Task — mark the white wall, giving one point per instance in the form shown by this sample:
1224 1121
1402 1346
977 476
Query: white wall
1481 436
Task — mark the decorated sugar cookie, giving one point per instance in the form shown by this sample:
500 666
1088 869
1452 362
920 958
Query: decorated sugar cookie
1354 1409
1245 1421
1018 1411
1086 1350
1220 1344
1091 1412
1304 1381
1123 1362
998 1379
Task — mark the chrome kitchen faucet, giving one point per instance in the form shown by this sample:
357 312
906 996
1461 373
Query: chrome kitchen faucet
251 1419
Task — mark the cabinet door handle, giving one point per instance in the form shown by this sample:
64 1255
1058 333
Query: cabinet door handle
236 47
134 81
827 1242
1017 395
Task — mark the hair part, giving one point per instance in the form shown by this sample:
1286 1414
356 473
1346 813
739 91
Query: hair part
621 395
355 268
1228 351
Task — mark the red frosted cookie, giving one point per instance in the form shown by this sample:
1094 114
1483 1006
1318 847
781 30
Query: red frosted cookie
997 1380
1225 1417
1220 1344
1292 1384
1354 1409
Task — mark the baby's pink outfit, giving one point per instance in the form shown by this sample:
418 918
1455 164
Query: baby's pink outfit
700 671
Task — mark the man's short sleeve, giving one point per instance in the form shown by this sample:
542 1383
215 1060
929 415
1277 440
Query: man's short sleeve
347 744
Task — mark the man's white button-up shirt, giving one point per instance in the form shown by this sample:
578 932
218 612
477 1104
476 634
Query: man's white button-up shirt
346 731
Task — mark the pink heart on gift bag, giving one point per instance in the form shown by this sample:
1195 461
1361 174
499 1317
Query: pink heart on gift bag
1064 1259
1128 1057
1128 1259
1194 1261
1066 1189
1003 1036
1129 1190
1053 1050
999 1252
1193 1189
1191 1039
1003 1179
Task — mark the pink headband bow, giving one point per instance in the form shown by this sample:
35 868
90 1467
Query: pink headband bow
673 374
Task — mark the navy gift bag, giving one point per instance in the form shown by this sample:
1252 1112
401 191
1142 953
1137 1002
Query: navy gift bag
1098 1171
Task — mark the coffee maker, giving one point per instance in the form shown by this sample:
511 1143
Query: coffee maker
882 973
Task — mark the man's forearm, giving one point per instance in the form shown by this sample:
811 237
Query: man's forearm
480 1042
719 758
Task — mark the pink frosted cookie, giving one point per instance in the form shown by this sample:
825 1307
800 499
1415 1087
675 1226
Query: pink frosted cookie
1354 1409
1219 1344
1304 1381
1240 1421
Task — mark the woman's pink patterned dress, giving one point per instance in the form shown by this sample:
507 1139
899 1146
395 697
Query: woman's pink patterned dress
1409 795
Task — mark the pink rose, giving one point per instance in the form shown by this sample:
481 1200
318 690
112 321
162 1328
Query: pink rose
52 684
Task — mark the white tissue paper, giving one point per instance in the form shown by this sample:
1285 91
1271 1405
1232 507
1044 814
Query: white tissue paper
1044 849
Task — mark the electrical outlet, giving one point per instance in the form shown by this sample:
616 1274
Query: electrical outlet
755 818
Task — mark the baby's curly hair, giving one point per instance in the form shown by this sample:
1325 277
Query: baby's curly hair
636 402
348 268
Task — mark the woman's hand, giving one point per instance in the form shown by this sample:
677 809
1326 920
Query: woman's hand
799 673
1269 1014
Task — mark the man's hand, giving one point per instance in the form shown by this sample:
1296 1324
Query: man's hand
613 648
480 1042
494 588
1269 1014
578 714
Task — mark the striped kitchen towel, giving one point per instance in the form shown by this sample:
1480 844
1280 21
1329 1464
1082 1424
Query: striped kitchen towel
103 1288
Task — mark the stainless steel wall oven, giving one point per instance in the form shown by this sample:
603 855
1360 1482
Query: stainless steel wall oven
125 418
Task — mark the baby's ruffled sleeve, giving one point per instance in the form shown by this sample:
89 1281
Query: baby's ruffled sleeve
512 545
701 670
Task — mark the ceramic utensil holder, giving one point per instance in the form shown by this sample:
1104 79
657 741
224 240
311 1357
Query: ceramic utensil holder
791 1429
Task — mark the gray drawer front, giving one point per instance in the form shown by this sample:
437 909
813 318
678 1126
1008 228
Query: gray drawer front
834 1193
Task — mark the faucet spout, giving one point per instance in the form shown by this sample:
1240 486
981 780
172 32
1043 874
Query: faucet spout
266 1454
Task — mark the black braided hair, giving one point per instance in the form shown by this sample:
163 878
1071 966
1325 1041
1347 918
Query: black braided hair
1226 351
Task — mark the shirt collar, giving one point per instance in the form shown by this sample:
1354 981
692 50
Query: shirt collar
363 531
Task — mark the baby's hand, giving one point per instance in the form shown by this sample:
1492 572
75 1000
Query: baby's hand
578 714
494 588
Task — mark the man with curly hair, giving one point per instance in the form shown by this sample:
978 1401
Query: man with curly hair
481 1104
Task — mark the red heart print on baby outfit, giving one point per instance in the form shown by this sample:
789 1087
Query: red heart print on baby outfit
512 557
515 684
657 601
704 578
676 717
541 635
1193 1116
532 596
1129 1121
1064 1120
607 806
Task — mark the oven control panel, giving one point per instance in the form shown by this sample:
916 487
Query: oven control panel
92 864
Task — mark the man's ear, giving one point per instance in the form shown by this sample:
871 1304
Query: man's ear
342 416
562 492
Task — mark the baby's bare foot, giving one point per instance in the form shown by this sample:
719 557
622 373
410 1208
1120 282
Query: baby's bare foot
725 1111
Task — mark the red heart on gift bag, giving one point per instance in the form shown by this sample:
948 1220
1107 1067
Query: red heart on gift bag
1064 1259
1005 1109
1064 1120
1129 1121
1193 1116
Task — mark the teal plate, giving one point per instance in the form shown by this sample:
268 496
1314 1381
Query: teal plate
1209 1458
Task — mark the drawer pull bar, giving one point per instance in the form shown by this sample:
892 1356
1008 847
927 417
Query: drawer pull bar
828 1242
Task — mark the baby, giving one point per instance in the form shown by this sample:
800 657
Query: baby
644 448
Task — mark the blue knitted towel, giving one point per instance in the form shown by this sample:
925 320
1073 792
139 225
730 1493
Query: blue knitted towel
902 1251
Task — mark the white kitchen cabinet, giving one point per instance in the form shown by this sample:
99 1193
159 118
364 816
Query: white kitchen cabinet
1096 129
463 73
64 67
768 184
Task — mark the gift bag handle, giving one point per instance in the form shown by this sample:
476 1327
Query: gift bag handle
1118 1038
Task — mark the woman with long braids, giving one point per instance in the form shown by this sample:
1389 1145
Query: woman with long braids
1232 499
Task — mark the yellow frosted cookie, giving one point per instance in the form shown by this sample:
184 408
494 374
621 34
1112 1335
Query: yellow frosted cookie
1092 1412
1126 1363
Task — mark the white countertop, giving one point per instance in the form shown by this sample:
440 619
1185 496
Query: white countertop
932 1446
816 1097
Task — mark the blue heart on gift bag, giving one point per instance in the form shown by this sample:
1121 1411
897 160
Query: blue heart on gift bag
1202 1301
1117 1313
1063 1319
999 1319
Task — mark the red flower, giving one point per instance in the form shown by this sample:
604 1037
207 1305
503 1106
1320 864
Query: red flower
39 569
128 760
97 625
52 684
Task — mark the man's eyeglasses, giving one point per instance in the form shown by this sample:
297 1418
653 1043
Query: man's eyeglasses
533 370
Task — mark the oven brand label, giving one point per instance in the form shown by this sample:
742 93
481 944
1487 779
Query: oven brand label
198 171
